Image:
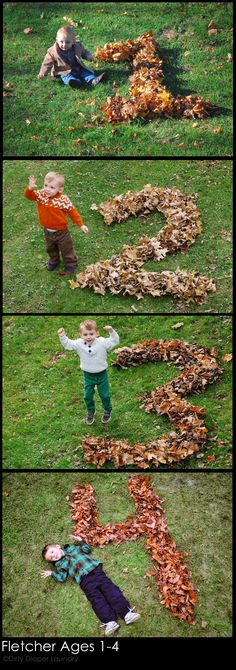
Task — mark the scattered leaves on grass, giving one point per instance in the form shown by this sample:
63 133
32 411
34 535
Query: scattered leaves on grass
188 435
149 98
123 274
171 571
53 360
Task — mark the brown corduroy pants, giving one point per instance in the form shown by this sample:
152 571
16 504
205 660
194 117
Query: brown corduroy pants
57 242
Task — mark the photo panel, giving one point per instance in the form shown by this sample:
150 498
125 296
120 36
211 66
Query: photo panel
144 236
163 539
165 387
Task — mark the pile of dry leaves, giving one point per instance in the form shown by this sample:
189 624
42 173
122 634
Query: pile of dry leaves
122 273
170 568
149 97
199 368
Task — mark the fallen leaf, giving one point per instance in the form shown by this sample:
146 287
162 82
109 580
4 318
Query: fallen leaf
35 137
227 357
210 458
229 57
204 624
217 130
94 206
177 325
71 21
195 125
28 122
27 31
181 145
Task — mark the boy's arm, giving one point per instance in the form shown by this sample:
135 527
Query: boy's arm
31 195
112 341
86 54
70 345
46 65
61 574
75 217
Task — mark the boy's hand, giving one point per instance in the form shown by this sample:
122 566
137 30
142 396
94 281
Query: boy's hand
108 329
32 183
76 537
84 229
46 573
40 76
61 331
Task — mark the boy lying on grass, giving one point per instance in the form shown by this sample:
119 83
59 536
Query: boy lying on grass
53 208
64 59
107 600
92 351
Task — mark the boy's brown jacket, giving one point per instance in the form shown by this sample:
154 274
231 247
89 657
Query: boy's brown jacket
57 65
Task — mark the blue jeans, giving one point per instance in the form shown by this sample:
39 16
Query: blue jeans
79 74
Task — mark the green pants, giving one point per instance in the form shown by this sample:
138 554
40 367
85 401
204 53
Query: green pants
99 379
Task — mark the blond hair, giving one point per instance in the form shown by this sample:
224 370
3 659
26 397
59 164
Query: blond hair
68 31
56 176
89 325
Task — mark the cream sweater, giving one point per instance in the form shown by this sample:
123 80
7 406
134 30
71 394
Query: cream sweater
93 357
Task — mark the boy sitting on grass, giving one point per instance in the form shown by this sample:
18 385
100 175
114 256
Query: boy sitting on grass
107 600
53 208
64 59
92 350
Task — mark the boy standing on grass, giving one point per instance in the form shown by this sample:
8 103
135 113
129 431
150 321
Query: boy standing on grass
107 600
53 208
92 351
64 59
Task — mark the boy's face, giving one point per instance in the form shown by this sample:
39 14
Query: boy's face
64 41
88 336
51 187
54 552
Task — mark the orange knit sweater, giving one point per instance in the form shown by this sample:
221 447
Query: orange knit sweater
53 210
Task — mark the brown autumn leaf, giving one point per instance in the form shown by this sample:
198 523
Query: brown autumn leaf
35 137
227 357
177 325
217 130
71 21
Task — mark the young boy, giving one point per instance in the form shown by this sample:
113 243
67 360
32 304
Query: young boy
64 59
107 600
92 350
53 208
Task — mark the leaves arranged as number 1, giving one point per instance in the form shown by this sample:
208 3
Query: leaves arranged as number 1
149 98
123 272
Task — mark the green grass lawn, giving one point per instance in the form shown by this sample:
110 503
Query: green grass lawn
44 411
198 514
194 63
29 287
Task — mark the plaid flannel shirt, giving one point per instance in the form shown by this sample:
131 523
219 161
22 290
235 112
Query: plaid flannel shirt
75 563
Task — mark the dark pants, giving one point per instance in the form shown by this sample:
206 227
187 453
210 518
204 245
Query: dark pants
57 242
107 600
99 379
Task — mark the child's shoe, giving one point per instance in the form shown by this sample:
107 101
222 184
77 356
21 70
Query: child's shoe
52 266
74 84
131 616
97 80
110 627
106 416
90 418
70 269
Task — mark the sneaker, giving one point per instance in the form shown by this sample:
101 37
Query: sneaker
97 80
106 416
70 269
110 627
52 266
90 418
74 84
131 616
